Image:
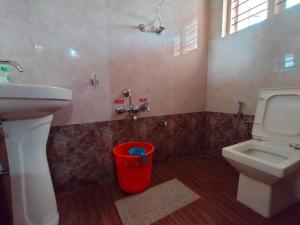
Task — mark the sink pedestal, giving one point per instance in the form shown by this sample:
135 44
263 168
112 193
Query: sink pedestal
33 198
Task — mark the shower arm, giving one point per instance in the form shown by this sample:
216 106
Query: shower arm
157 14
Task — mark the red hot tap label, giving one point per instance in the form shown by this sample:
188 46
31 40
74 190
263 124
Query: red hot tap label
119 101
143 100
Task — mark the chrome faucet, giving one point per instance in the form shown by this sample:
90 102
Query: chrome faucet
13 63
132 109
241 107
295 146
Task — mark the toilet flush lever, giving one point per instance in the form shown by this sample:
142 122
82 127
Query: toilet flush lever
295 146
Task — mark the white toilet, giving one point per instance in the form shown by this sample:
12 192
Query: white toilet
269 164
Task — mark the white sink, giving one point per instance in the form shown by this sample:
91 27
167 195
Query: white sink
26 115
19 101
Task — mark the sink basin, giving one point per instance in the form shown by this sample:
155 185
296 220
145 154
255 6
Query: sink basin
26 115
21 101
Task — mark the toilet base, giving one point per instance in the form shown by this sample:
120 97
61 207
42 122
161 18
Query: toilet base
269 199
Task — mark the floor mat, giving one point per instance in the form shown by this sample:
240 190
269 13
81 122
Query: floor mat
155 203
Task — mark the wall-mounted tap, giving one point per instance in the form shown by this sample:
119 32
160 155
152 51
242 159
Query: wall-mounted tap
132 109
163 122
295 146
94 81
13 63
241 107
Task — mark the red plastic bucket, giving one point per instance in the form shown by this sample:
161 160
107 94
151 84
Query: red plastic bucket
133 175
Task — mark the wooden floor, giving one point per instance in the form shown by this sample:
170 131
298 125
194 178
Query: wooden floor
214 180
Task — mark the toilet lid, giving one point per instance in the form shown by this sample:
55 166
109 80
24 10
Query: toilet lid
278 115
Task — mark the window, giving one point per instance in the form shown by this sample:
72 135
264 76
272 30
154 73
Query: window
187 39
240 14
289 61
281 5
190 37
291 3
176 46
244 13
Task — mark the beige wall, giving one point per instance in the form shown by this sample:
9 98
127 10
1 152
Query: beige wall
242 63
39 34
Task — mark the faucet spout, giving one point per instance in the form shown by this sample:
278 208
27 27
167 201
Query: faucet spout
13 63
241 106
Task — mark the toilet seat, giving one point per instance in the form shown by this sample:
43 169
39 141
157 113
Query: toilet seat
277 115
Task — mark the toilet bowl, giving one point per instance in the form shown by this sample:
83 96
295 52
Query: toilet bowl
269 164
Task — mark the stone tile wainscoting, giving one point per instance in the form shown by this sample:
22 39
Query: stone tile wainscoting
219 131
81 155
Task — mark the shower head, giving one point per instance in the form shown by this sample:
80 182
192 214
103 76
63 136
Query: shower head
159 30
151 26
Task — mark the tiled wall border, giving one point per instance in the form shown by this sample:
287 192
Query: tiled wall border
81 155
